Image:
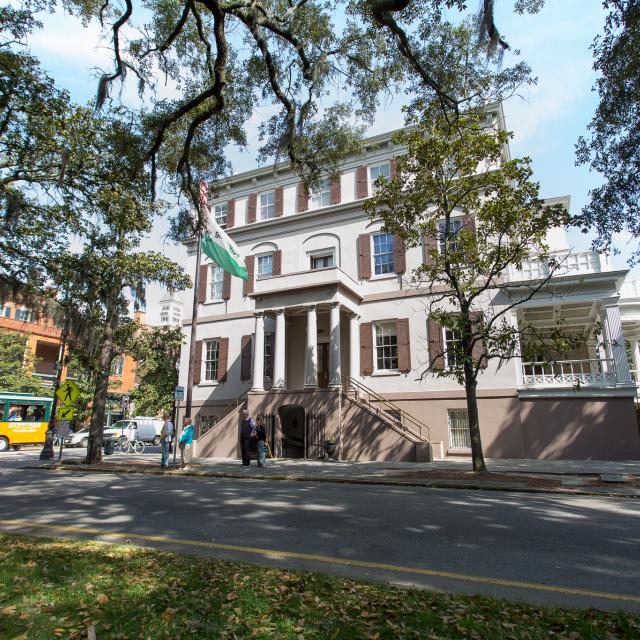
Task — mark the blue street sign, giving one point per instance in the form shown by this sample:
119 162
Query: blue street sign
179 393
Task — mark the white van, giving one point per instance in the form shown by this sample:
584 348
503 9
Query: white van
139 428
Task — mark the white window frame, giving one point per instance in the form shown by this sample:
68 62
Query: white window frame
220 212
6 311
210 366
217 270
322 253
453 338
384 274
28 314
267 209
115 370
455 225
260 256
322 196
458 438
379 330
372 179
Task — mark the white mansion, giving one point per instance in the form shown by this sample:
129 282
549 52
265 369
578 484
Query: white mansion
325 338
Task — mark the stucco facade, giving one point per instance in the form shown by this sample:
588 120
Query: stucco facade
327 339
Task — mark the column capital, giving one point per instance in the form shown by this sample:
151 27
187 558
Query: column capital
335 305
354 316
311 307
279 312
258 314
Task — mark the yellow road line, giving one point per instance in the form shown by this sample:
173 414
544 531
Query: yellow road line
502 582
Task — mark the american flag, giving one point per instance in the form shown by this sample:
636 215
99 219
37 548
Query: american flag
204 190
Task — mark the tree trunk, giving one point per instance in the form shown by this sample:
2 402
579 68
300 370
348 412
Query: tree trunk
470 384
94 448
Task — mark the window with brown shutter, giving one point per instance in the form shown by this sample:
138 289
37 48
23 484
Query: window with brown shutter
223 359
364 256
303 197
231 213
435 343
335 190
366 348
202 283
245 358
276 267
399 262
279 202
362 182
392 168
247 285
252 204
429 245
226 285
404 348
197 363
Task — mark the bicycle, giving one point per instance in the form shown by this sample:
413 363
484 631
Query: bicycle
132 446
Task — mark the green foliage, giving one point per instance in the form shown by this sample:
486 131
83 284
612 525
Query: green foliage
613 148
16 364
156 351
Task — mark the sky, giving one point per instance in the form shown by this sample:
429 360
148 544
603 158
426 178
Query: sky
546 119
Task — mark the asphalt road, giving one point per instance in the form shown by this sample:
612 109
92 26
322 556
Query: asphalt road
543 549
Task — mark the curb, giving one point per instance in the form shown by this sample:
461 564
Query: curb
431 484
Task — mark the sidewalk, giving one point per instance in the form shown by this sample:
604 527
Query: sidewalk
575 477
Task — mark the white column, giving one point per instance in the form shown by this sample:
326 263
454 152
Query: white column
517 359
311 354
278 356
615 338
258 353
635 355
354 347
335 372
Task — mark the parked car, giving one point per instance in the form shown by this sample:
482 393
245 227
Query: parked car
141 428
77 439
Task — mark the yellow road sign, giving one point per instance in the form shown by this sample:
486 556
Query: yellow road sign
65 413
68 392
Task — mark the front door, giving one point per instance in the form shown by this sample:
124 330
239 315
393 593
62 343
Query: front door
323 365
315 435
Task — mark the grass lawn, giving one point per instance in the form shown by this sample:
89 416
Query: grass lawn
70 589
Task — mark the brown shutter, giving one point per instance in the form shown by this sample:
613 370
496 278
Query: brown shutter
335 190
366 348
399 262
362 187
226 285
404 349
231 213
202 284
251 207
197 362
223 359
392 168
436 346
429 245
276 266
303 197
364 256
279 202
245 358
247 286
469 223
479 353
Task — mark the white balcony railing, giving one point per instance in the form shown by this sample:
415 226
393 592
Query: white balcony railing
569 373
568 264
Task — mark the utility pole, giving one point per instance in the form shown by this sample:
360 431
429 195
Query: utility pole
47 452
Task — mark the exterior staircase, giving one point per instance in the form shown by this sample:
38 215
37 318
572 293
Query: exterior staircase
221 441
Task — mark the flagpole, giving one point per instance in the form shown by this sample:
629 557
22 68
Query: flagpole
194 323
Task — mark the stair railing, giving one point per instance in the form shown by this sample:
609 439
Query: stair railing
387 409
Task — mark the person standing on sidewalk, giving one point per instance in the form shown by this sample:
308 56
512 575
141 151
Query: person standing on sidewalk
261 435
185 442
247 431
165 439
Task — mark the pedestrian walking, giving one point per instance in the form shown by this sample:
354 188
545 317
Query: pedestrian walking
166 435
247 431
261 435
185 442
